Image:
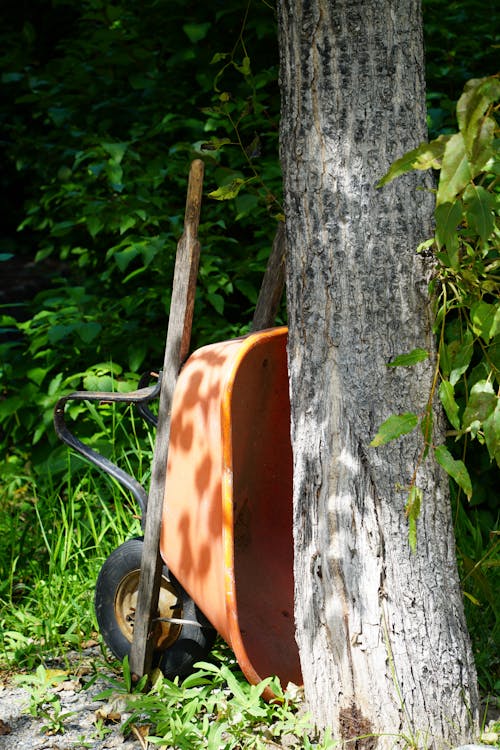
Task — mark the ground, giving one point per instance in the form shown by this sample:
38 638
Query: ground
32 711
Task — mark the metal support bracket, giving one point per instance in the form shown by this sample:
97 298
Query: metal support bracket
140 398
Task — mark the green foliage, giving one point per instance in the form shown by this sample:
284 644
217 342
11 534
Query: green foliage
101 123
478 547
466 284
393 427
466 293
216 707
43 702
461 43
55 543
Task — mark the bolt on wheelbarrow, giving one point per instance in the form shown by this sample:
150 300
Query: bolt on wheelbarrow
224 529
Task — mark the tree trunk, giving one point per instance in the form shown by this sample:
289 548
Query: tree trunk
381 630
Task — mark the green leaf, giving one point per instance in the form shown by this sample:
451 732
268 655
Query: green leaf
246 205
115 150
485 319
455 171
94 225
12 77
55 384
426 425
58 332
460 355
479 205
444 358
214 144
88 331
115 175
455 469
448 216
483 146
447 398
481 404
393 427
218 57
491 428
226 192
217 301
248 289
37 374
93 382
412 358
244 68
472 599
124 257
127 222
412 512
196 31
473 104
425 245
10 406
425 156
136 355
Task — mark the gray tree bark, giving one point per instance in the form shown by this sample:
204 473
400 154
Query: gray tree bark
381 631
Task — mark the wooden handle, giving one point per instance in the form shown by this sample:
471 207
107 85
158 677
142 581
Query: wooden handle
193 199
176 350
273 282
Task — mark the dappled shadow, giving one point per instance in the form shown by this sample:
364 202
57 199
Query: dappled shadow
262 495
191 539
227 521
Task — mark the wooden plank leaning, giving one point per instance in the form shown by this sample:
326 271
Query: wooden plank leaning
273 282
176 351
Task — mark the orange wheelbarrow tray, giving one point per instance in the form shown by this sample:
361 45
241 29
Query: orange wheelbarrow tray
226 536
227 518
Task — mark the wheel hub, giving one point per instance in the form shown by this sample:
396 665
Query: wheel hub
169 606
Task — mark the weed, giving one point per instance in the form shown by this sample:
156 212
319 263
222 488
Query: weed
491 734
125 686
43 703
215 707
100 730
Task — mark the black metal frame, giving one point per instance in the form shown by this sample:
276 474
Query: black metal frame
140 398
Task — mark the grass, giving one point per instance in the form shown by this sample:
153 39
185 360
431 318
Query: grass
215 707
56 532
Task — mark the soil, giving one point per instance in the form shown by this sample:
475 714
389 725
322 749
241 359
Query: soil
90 723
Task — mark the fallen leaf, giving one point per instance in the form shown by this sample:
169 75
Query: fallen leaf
108 715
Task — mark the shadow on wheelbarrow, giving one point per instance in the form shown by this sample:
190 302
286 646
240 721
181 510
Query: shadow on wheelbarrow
227 516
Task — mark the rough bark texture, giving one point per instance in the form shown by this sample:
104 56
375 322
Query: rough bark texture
381 631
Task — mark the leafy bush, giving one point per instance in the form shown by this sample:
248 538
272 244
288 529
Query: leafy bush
216 707
466 284
102 122
466 293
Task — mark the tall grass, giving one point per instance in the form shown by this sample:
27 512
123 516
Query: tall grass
56 532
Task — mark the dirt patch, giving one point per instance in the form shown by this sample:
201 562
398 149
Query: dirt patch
70 717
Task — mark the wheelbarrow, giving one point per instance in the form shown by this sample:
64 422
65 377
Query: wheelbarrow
226 534
224 530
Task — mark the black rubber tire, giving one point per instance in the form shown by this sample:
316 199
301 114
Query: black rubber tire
193 641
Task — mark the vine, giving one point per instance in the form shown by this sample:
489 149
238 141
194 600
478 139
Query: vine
465 289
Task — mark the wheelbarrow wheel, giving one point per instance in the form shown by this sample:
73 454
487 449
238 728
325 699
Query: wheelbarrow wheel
183 635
